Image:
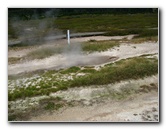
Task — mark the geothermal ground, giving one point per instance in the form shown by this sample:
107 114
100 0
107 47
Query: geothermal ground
43 88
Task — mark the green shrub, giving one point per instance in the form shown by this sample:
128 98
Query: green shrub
50 106
92 40
43 52
88 70
99 45
73 69
132 68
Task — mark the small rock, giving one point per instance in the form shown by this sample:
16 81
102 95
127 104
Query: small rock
31 104
80 74
148 116
37 87
154 109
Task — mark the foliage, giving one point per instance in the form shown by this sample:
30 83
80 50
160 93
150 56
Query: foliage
73 69
40 13
121 70
140 32
43 52
98 45
50 106
88 70
132 68
107 22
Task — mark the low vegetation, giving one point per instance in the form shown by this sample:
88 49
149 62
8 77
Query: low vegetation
139 32
86 23
123 93
54 81
45 82
73 69
43 52
13 60
92 46
121 70
88 70
53 106
144 39
120 24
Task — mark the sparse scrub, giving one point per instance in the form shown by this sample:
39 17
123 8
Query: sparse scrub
88 67
58 106
92 40
122 70
13 60
53 106
140 32
43 52
144 39
88 70
12 117
12 33
123 93
58 98
50 106
132 68
108 22
121 32
99 45
49 73
73 69
148 33
121 24
147 88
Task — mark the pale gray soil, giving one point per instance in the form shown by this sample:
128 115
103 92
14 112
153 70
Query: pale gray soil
137 108
96 103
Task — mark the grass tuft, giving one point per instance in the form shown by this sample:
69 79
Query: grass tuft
99 45
14 60
125 69
43 52
132 68
50 106
73 69
107 22
88 70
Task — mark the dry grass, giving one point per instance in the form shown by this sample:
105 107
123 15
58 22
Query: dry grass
144 39
92 46
14 60
43 52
